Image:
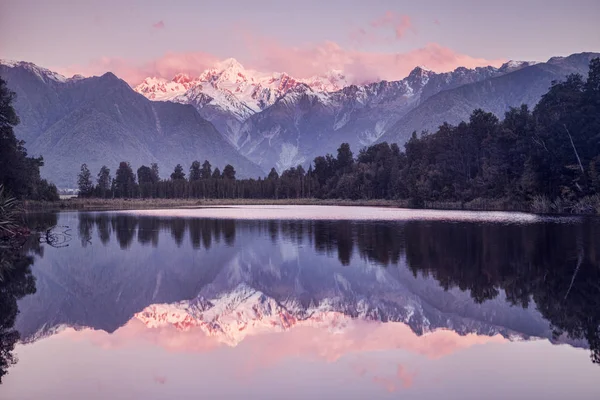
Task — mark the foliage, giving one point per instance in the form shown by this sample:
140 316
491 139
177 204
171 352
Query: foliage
84 181
19 174
9 214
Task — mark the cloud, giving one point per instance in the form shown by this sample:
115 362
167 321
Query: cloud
359 340
362 66
385 29
159 25
167 66
301 61
398 22
437 21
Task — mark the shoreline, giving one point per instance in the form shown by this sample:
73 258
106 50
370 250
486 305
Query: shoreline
94 204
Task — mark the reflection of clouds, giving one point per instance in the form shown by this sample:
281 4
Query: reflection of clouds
306 342
135 333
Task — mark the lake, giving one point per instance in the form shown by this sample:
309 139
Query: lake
297 302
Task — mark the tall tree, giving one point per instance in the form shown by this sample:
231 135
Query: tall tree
125 181
144 175
206 172
229 172
84 181
195 172
19 174
104 181
178 173
155 173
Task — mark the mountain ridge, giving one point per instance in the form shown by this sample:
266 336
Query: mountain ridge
102 121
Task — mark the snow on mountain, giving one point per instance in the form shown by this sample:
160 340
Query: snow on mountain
228 83
162 89
43 74
232 316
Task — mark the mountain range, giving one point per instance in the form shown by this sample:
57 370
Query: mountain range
102 121
253 120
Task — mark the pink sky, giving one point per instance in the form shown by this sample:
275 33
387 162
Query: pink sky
381 39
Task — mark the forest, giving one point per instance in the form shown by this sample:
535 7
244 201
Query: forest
547 158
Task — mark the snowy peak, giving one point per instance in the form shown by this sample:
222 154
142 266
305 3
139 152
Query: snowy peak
419 77
42 73
162 89
232 316
331 81
513 65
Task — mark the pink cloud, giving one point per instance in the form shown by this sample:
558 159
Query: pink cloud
134 72
265 350
385 29
437 21
362 66
269 55
399 22
159 25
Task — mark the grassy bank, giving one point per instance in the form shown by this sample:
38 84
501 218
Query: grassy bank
144 204
586 206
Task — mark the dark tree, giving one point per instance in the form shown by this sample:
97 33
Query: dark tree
155 173
84 181
178 173
104 181
229 172
206 171
195 172
19 174
144 175
125 181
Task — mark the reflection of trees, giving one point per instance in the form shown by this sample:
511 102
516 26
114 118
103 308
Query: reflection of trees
177 229
555 265
202 232
17 283
124 227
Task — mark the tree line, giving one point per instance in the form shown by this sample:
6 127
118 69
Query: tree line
549 156
19 173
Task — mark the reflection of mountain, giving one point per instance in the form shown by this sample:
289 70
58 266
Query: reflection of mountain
231 278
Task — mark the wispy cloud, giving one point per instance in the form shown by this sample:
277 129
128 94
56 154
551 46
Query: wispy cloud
132 71
387 28
159 25
302 61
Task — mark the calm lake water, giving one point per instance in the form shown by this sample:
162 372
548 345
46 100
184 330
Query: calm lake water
306 302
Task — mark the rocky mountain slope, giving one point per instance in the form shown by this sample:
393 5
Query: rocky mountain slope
101 120
305 123
496 94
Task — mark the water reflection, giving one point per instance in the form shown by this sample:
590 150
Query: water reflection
16 282
228 280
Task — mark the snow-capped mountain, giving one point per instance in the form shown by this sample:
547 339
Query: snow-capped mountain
102 121
43 74
228 94
303 124
232 316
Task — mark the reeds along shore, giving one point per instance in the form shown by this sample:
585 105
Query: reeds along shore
587 206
